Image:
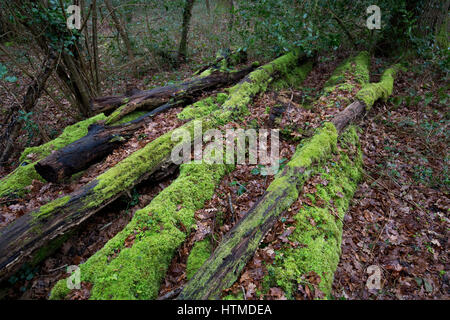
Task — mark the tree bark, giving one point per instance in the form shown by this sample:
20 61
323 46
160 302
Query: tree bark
120 29
182 52
150 99
30 99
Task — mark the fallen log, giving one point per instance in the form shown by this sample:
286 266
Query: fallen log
139 269
20 239
221 270
213 76
99 142
153 98
14 184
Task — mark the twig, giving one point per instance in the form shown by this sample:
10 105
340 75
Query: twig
105 226
61 267
171 294
231 206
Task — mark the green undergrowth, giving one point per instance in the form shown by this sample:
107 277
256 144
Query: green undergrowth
198 255
203 107
157 230
318 227
371 92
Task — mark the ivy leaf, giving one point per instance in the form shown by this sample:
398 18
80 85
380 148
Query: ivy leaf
11 78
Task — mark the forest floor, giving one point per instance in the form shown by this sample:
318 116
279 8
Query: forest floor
398 219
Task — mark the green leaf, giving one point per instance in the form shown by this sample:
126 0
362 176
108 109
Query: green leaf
11 78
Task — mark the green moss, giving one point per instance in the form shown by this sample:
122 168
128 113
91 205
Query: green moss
381 90
198 255
320 242
357 67
69 135
239 296
14 184
257 82
320 144
294 78
48 249
203 107
116 115
48 208
117 272
130 117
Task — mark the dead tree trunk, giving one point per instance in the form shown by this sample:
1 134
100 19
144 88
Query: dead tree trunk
222 269
92 148
32 95
182 52
20 240
150 99
101 140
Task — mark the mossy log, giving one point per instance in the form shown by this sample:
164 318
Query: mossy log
14 184
101 140
318 225
212 76
153 98
20 239
221 270
239 244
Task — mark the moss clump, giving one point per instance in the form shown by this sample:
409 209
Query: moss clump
69 135
294 78
381 90
203 107
120 272
14 184
357 67
318 228
130 117
48 208
198 255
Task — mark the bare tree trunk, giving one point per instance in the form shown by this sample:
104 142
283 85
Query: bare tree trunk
208 7
95 45
119 26
32 95
182 52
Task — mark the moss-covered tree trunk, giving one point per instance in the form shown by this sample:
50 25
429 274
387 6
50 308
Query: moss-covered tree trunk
102 140
221 270
20 239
